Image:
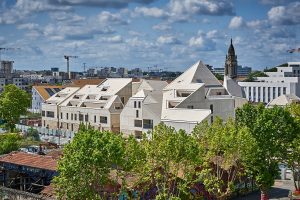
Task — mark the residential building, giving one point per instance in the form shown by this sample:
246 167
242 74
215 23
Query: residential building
195 96
265 89
97 105
143 110
40 94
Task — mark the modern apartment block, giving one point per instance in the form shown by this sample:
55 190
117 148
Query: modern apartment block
40 94
195 96
265 89
143 110
97 105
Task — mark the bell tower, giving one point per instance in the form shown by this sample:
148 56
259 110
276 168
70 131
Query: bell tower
231 63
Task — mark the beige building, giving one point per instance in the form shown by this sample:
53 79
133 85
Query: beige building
143 110
195 96
97 105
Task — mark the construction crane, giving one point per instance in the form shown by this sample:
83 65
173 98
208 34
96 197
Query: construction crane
84 67
68 66
6 49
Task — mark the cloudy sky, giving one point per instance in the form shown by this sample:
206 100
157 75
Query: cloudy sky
172 34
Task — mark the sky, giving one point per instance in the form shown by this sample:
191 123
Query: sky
172 34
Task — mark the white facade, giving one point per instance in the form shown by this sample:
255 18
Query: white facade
265 89
143 110
97 105
195 96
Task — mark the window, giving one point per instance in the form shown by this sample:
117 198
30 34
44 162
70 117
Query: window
274 89
250 92
190 107
284 90
67 126
81 117
75 117
279 91
148 124
71 116
86 117
123 100
138 123
61 115
137 114
67 115
139 104
211 108
72 127
43 113
95 119
50 114
103 119
134 104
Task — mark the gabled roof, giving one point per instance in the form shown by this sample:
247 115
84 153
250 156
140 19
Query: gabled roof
284 100
30 160
46 91
196 74
83 82
233 88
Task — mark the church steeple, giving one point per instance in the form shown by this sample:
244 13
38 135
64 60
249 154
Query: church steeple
231 62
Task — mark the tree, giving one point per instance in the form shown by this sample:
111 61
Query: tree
13 103
272 130
170 162
224 144
293 156
88 164
9 142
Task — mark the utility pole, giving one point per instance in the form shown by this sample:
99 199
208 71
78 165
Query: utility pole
68 66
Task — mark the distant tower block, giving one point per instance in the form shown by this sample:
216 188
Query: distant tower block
6 68
231 64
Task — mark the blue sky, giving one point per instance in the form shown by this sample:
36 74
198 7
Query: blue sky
172 34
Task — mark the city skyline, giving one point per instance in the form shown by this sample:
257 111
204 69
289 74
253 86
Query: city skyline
143 33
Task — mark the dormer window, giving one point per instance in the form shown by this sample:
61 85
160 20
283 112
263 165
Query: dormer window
104 88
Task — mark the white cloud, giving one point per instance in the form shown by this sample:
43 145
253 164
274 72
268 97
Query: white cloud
285 15
168 39
113 39
150 12
106 17
162 27
236 22
202 43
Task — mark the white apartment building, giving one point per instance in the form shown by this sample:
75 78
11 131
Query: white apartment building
143 110
195 96
40 94
97 105
265 89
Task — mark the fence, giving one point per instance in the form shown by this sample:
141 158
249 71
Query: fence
50 135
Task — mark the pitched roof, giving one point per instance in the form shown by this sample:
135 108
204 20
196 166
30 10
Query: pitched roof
30 160
82 82
196 74
46 91
233 87
284 100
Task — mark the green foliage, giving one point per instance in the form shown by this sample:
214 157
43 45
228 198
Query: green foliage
171 157
13 103
9 142
32 134
251 77
224 144
87 163
219 77
272 131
